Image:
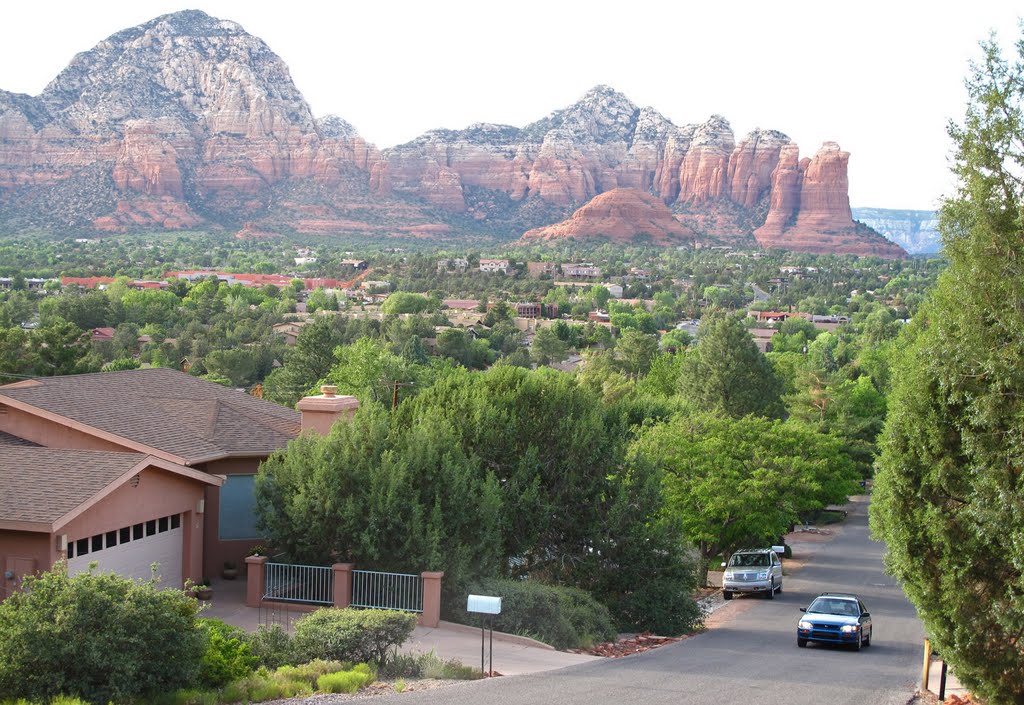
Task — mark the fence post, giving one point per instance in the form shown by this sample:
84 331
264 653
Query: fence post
254 580
431 615
927 665
342 584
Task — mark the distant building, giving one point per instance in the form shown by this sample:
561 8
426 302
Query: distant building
302 261
581 271
527 309
355 263
454 264
539 269
494 265
614 289
638 273
375 285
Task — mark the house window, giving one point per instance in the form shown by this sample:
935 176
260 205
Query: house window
126 534
176 521
163 524
111 538
238 508
137 532
82 547
150 527
97 542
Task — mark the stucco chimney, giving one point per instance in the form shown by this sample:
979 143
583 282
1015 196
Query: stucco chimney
320 412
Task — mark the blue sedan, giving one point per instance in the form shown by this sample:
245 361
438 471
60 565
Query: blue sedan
835 618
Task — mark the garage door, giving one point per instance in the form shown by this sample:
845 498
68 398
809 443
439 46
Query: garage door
131 550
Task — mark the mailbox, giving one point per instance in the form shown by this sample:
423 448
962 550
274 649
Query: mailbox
483 604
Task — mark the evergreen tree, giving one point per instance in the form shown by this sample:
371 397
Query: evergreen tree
949 498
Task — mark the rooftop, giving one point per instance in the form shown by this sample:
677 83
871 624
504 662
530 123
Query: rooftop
161 411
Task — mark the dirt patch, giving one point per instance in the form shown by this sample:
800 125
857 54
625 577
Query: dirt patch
629 645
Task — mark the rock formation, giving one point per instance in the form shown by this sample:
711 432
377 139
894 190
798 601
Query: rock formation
188 121
621 215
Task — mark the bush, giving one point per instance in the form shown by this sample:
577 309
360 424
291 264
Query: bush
564 617
428 665
228 657
352 635
345 681
272 647
100 638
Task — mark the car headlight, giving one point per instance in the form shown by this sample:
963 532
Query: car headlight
803 624
728 575
849 628
763 575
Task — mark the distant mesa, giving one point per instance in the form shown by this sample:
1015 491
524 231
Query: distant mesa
621 215
187 121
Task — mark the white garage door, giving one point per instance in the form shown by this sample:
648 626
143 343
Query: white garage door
131 551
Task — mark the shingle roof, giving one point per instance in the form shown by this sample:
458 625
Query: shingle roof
165 410
43 484
7 439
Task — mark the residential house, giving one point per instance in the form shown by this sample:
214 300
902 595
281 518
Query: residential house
135 467
540 269
581 271
494 265
455 264
528 309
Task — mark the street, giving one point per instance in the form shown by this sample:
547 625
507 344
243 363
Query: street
753 658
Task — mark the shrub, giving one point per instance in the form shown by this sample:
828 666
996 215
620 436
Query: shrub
100 638
352 635
272 647
561 616
228 657
345 681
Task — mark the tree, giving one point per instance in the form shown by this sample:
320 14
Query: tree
732 482
948 497
547 347
405 302
62 348
635 352
102 638
305 364
726 372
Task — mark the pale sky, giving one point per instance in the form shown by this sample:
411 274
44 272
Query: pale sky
880 78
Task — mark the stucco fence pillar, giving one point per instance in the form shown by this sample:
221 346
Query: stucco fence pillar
343 583
431 615
254 580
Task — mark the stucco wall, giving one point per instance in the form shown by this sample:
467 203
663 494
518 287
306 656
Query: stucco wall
216 551
52 434
22 551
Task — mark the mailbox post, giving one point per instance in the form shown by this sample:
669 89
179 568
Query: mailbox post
484 604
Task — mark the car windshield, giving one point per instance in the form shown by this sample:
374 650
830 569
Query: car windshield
828 605
743 560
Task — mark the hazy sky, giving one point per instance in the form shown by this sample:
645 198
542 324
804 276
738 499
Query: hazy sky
880 78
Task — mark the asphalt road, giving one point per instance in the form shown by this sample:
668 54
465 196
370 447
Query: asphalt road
753 658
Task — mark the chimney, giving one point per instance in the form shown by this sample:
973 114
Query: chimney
320 412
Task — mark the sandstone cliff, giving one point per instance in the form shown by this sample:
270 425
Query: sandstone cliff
187 121
622 215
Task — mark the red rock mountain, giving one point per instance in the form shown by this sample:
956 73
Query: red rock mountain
621 215
187 121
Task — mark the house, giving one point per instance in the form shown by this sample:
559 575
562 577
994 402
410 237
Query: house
614 289
494 265
102 335
135 467
581 271
354 263
455 264
540 269
289 330
528 309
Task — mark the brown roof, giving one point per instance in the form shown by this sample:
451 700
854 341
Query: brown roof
7 439
169 413
43 485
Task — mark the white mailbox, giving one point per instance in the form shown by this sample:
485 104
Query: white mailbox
484 604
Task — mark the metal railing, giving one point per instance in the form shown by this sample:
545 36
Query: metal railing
387 591
285 582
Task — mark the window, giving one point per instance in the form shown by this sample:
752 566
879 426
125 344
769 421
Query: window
150 527
163 524
238 508
126 534
71 550
176 521
137 532
82 547
111 539
97 542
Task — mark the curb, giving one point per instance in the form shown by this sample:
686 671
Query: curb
498 636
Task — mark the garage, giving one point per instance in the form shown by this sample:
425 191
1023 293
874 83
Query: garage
132 550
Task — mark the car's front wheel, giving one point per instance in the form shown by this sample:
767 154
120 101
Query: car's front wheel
868 641
771 590
802 643
726 595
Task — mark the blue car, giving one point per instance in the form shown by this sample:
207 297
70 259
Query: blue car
835 618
